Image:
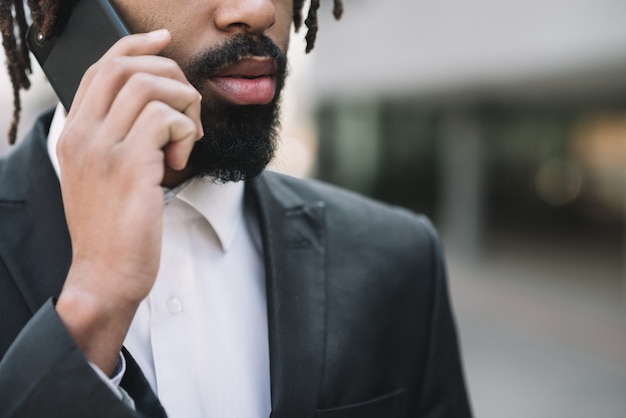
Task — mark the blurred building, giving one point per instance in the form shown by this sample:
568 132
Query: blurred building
505 122
480 106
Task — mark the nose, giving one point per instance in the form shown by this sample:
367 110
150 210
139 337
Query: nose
251 16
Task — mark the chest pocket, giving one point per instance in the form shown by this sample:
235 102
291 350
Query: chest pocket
390 405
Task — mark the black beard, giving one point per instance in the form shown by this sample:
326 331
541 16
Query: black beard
239 141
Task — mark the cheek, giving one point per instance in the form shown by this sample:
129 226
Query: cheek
144 16
281 30
176 50
129 12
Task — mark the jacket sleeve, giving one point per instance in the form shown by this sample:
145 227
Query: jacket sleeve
443 393
44 374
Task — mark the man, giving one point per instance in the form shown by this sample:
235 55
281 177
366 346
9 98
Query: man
152 282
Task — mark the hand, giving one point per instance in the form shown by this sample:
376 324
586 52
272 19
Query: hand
133 112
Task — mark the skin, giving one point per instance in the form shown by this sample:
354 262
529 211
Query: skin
117 151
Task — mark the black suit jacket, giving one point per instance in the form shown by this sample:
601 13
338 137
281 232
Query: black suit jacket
359 319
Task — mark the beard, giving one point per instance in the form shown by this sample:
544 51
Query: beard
239 140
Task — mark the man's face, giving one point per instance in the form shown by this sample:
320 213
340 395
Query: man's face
233 52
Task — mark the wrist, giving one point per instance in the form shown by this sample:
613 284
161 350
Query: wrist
97 321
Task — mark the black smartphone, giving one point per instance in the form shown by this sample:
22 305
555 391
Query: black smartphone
87 30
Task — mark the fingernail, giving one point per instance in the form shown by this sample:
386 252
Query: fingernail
200 127
201 132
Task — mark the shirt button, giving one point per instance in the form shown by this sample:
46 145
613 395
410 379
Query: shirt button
174 306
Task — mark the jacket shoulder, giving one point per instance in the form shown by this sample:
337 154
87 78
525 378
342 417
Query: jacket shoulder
360 218
30 154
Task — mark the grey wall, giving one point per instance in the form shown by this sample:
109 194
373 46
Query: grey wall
428 46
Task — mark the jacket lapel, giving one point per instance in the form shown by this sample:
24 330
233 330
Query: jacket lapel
34 242
294 243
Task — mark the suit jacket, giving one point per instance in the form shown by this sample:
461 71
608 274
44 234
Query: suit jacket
359 319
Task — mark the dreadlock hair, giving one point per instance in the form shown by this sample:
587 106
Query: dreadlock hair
44 14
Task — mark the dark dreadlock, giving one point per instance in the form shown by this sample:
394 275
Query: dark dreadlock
13 26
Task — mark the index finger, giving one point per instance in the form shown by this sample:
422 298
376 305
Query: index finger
150 43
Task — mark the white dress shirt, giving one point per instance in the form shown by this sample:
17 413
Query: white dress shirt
200 336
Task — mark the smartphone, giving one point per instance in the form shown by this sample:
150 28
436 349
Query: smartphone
87 30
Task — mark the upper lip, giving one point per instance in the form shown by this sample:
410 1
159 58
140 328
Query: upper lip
248 67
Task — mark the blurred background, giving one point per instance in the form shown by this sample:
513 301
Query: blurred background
505 122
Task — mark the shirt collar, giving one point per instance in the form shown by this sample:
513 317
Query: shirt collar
220 204
56 127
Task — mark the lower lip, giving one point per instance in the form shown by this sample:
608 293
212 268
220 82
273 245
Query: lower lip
246 91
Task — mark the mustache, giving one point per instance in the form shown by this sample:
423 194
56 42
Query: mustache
207 63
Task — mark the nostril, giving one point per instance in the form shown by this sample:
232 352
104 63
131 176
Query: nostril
254 16
239 25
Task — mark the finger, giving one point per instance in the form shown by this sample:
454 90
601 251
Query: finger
143 88
159 126
150 43
177 152
112 77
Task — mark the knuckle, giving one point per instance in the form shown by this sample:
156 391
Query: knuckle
140 84
63 149
71 152
156 110
194 95
160 116
155 114
69 142
115 66
171 67
187 129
